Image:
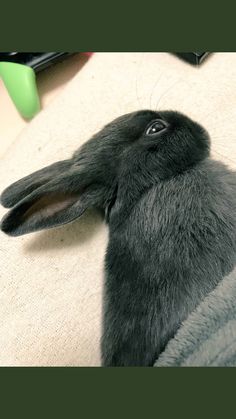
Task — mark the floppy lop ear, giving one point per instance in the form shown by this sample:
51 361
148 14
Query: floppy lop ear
58 202
23 187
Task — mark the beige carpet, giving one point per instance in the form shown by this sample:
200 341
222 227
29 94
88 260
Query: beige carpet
51 282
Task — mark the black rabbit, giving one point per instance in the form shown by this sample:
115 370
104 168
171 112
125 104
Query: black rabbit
172 223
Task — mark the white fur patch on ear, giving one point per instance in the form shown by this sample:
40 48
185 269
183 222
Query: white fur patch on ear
47 206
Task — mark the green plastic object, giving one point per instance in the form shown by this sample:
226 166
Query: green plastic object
20 82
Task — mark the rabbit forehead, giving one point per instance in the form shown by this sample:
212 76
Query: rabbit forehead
133 125
135 122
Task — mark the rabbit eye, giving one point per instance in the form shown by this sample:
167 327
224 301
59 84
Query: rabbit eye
155 127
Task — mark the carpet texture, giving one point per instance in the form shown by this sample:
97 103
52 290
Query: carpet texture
51 282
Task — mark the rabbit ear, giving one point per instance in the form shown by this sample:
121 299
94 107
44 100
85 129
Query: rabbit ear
23 187
58 202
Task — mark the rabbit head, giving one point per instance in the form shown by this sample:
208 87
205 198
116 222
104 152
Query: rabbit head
134 150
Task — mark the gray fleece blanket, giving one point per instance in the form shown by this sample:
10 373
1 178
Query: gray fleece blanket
208 336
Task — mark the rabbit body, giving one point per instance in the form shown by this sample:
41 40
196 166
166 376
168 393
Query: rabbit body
171 249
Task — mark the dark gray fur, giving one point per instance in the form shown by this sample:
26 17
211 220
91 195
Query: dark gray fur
172 224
